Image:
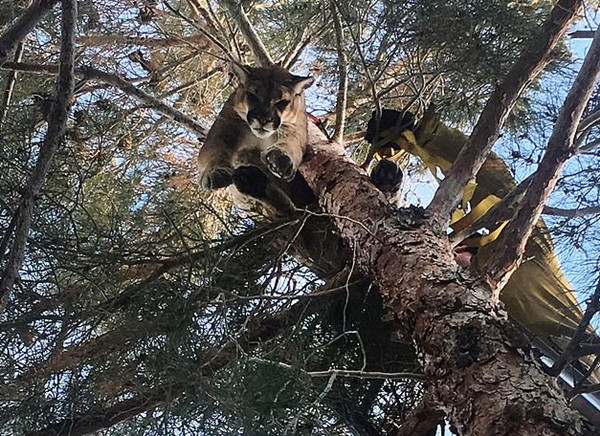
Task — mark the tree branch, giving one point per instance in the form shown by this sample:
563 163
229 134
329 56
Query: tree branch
56 128
10 85
571 213
23 25
256 45
532 60
171 41
342 94
571 351
560 148
413 267
124 85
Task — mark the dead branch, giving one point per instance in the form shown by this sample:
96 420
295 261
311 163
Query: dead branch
10 84
530 63
23 25
124 85
560 148
256 45
56 128
342 94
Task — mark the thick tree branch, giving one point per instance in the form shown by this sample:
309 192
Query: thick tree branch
560 148
530 63
54 135
24 24
468 353
256 45
124 85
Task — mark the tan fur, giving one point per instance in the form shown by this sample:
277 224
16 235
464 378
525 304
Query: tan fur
255 126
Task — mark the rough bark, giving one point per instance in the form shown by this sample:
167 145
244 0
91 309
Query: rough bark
475 364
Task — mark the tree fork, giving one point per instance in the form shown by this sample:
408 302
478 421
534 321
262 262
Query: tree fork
473 360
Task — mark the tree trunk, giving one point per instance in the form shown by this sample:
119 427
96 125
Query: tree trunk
480 373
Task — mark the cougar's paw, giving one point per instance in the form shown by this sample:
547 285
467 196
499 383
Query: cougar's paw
216 178
279 163
386 176
250 180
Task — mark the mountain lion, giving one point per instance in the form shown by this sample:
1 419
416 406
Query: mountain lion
258 140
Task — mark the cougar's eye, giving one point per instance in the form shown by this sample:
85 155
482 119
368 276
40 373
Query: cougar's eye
252 99
282 104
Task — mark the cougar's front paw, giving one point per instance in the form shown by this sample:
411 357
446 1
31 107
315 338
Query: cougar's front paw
218 177
386 176
251 181
279 163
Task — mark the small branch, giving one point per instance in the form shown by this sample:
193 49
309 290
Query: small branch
111 40
10 85
124 85
23 25
345 372
560 148
572 349
294 55
367 374
587 349
589 146
213 40
56 128
342 94
571 213
256 45
583 34
529 64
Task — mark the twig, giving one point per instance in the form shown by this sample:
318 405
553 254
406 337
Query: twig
214 41
256 45
560 148
124 85
530 63
23 25
342 94
56 128
293 56
169 41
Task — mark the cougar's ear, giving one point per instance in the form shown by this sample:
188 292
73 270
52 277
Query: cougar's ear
241 72
300 83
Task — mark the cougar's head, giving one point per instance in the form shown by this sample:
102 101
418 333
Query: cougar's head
268 97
